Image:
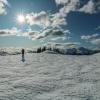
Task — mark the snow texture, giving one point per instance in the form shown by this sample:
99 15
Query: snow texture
45 76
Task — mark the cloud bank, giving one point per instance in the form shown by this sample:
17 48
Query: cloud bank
59 18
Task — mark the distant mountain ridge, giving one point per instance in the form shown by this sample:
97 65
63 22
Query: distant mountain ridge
74 51
64 51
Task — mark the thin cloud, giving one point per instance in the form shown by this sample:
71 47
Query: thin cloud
55 32
3 5
61 2
94 39
38 18
66 45
12 31
90 37
59 38
89 8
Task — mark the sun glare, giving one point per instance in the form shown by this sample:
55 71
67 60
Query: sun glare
21 18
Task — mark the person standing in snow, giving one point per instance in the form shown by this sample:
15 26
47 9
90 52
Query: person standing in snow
23 57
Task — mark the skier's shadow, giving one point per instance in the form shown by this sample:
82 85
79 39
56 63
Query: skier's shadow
23 58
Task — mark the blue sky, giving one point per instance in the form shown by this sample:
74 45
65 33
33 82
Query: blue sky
29 23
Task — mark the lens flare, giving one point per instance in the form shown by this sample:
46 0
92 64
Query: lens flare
21 18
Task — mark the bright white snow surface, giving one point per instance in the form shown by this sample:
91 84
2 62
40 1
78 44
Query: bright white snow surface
50 77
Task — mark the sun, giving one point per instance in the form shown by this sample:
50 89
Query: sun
21 18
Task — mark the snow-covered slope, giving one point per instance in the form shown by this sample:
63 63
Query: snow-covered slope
50 77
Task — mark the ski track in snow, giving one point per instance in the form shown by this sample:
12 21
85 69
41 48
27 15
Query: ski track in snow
50 77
